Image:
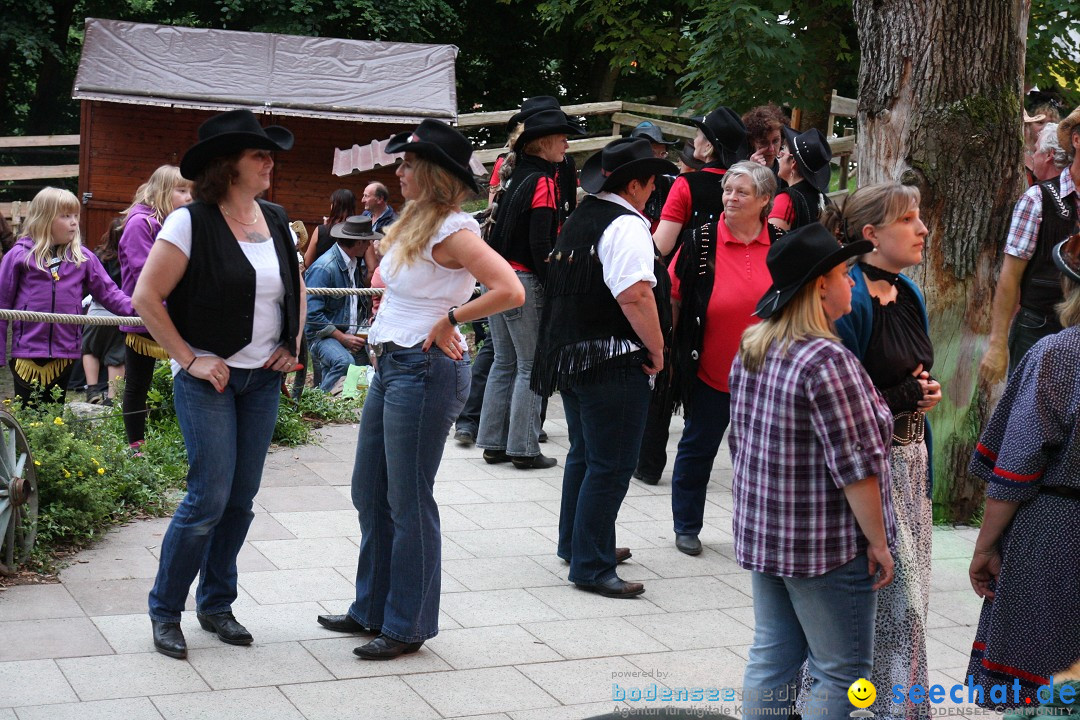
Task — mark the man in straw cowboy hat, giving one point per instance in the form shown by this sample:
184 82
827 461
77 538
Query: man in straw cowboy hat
1045 215
332 322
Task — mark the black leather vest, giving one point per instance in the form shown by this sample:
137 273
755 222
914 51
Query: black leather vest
213 305
580 315
1040 285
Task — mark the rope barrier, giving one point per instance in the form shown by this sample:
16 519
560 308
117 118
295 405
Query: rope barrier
60 319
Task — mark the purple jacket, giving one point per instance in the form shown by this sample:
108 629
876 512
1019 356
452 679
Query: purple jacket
26 287
140 230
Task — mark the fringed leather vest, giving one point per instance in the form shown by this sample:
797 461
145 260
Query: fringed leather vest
582 326
806 201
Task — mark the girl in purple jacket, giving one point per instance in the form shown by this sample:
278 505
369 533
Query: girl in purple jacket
49 271
165 191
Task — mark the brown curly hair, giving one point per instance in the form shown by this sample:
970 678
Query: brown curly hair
762 120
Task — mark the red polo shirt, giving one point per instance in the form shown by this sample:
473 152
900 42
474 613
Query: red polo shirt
741 279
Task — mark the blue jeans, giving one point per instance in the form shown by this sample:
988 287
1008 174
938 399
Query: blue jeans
226 435
826 620
605 421
410 406
703 430
511 417
334 360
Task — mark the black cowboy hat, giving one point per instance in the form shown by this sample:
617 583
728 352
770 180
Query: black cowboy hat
230 132
1066 256
441 144
620 161
545 122
812 155
531 106
652 133
725 130
686 155
355 227
800 256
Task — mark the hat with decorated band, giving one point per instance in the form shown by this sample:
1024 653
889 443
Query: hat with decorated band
441 144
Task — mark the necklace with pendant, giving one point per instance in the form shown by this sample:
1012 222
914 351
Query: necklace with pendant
242 222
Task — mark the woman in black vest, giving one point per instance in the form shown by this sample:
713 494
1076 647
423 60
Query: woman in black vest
694 200
606 313
228 269
804 166
526 224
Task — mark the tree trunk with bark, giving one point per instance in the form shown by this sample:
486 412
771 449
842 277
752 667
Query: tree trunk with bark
940 91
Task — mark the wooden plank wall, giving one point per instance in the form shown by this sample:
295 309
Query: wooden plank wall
123 144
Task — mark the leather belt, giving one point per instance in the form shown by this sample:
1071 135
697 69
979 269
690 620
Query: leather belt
909 428
379 349
1061 491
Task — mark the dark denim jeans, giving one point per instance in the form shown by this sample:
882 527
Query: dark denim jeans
227 435
706 422
653 456
1028 328
469 419
605 421
410 406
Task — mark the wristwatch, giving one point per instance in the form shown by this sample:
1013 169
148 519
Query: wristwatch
450 316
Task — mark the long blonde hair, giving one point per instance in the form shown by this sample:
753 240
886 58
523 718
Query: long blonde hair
46 206
802 318
156 193
1068 309
438 194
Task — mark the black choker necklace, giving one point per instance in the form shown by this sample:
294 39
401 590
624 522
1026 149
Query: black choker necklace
873 272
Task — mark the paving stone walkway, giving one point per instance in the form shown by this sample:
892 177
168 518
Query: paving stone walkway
517 640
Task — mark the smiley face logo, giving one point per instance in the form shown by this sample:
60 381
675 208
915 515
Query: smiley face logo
862 693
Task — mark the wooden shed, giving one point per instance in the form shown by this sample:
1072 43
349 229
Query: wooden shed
145 89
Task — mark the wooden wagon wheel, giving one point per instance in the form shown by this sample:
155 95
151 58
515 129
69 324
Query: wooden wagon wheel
18 495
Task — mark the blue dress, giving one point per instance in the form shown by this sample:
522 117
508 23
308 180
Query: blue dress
1030 453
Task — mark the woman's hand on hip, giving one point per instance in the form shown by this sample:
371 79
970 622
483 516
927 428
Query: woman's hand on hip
212 369
281 360
445 337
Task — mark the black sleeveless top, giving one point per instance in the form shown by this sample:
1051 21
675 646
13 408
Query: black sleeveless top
898 344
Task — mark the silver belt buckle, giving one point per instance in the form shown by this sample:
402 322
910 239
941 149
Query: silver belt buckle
376 349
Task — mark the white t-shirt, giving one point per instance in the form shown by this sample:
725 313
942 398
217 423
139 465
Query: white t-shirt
269 293
418 295
626 248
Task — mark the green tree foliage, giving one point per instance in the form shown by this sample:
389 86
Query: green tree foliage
783 51
1053 48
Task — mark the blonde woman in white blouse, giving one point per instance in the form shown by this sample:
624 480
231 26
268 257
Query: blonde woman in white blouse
432 257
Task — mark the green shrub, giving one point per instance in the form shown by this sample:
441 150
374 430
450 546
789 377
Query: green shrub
89 479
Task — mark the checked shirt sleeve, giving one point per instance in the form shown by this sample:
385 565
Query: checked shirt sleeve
843 410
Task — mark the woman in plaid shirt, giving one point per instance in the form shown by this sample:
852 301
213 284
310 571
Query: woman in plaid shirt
813 517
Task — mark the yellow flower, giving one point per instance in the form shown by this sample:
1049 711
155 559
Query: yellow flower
101 471
58 421
67 474
7 401
94 460
37 462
